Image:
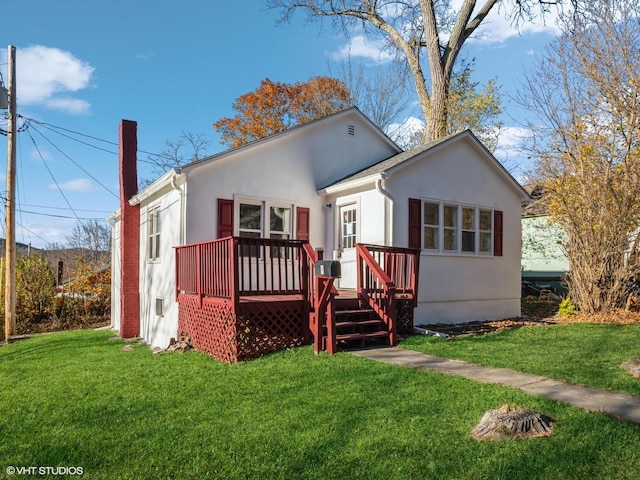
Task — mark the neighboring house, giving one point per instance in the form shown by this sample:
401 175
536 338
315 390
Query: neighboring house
544 261
335 183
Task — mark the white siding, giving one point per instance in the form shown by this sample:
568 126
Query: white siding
289 169
461 288
157 278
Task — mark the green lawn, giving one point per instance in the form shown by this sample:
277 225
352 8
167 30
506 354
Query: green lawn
77 399
585 354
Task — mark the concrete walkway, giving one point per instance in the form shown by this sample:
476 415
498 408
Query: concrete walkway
626 407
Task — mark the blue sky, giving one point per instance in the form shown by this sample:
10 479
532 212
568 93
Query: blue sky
173 67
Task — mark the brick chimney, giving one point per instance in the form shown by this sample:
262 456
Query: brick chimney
129 233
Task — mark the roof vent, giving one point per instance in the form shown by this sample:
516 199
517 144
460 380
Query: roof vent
351 130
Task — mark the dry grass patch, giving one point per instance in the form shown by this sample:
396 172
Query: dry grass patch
620 317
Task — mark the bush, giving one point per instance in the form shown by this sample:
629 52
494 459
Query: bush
567 308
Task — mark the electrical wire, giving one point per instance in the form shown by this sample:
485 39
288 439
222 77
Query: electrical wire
98 219
51 174
60 208
55 129
75 163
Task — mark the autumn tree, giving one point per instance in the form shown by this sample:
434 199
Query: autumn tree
92 285
274 107
428 35
585 93
35 288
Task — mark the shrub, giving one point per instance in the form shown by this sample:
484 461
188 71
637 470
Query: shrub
567 308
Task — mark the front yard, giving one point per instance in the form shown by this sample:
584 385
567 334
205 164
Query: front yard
78 400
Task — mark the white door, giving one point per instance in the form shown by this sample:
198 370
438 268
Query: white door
347 238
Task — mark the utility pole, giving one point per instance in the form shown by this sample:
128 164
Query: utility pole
10 216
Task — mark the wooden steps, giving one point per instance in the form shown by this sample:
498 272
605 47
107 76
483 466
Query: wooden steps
356 325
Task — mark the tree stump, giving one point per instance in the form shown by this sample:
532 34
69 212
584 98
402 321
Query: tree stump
510 421
632 366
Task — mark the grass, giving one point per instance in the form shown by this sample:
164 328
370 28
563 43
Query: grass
76 399
585 354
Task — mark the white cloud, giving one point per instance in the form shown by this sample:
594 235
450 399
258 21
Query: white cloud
498 26
509 153
510 140
46 76
39 154
144 56
78 185
360 47
67 104
403 132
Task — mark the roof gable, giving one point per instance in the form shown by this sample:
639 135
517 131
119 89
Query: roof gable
387 167
352 111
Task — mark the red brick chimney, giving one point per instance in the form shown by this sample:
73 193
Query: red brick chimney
129 233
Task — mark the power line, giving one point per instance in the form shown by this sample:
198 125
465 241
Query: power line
55 129
61 208
75 163
51 174
62 216
23 228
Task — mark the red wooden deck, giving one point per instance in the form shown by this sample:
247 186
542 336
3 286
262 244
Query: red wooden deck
240 298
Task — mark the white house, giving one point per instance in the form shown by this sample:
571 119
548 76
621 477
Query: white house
334 182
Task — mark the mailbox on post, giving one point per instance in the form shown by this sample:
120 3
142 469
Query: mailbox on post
328 268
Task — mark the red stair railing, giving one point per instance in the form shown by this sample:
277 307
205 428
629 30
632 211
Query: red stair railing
383 275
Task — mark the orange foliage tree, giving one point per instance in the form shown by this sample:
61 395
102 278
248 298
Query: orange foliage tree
274 107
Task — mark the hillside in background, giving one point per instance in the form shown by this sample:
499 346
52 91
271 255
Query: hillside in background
69 256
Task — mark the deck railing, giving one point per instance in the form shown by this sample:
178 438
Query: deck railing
242 266
401 266
384 273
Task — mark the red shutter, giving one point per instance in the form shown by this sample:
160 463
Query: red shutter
225 218
302 223
497 233
415 223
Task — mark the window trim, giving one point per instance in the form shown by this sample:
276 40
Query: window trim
265 213
154 233
440 229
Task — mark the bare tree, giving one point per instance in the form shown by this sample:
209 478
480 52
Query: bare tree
380 92
188 148
585 93
427 35
93 238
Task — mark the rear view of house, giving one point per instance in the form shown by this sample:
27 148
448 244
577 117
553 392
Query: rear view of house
438 225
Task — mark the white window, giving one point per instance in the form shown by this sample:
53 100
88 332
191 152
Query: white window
450 228
264 219
453 228
153 229
280 222
486 230
250 221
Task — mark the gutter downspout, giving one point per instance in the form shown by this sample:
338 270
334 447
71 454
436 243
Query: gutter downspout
380 188
175 186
